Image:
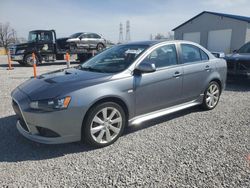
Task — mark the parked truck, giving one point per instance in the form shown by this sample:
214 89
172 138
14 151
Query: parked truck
47 48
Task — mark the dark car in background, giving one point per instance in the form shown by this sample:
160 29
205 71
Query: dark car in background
238 63
87 40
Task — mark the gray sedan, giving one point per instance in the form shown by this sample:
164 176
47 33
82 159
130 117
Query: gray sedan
124 85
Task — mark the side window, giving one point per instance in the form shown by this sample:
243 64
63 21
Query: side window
96 36
45 36
163 56
204 56
190 53
83 36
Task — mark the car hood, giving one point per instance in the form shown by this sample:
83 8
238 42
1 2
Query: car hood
238 57
22 45
61 82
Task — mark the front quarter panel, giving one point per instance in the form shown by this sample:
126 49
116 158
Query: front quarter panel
121 88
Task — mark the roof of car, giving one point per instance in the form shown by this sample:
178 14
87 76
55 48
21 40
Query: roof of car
148 42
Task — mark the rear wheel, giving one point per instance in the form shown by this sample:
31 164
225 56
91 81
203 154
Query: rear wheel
100 47
211 96
104 124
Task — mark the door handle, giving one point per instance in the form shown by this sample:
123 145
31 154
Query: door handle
207 68
177 74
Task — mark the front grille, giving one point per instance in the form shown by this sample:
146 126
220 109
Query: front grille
244 65
23 125
231 65
17 109
19 115
12 50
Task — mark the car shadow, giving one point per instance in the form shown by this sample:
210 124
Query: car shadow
16 148
238 85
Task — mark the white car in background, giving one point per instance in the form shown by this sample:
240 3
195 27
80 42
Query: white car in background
86 40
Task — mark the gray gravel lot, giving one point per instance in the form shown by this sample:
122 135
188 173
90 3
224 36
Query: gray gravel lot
192 148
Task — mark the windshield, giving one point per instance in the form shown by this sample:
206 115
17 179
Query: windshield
32 37
115 59
245 48
75 35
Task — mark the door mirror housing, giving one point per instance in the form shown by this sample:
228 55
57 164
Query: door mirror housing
145 67
219 54
235 51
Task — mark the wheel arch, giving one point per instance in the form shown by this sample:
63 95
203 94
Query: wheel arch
114 99
218 81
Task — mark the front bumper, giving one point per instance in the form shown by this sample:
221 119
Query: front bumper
65 125
238 73
17 57
42 139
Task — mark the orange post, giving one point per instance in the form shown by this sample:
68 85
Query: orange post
34 64
9 61
67 58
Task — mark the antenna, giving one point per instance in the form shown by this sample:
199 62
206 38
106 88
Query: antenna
128 31
121 33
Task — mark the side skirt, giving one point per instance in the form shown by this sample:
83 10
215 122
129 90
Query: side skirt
145 117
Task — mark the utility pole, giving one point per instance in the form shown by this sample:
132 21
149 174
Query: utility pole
120 33
128 31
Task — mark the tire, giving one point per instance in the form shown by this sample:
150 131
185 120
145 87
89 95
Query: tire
28 61
211 96
100 47
99 131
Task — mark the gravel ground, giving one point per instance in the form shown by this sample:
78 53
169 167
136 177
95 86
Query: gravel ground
192 148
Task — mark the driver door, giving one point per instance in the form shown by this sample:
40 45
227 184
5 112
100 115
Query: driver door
162 88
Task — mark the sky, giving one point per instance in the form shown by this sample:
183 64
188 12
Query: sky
104 16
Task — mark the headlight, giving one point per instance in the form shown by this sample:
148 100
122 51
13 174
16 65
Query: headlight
20 51
50 105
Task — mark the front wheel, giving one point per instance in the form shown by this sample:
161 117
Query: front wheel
211 96
104 124
28 60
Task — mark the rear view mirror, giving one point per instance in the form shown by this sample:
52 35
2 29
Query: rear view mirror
145 67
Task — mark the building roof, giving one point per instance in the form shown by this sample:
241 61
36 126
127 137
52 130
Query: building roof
237 17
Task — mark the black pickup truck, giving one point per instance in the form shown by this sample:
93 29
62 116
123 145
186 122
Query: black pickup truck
46 47
238 63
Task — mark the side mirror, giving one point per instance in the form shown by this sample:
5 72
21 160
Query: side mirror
235 51
80 37
219 54
145 67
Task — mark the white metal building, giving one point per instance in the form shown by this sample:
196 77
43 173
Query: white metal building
215 31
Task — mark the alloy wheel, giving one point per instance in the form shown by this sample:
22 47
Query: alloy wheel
212 95
106 125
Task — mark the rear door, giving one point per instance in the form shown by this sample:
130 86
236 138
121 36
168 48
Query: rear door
84 41
162 88
196 70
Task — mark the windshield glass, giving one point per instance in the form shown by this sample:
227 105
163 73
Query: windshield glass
245 48
32 37
115 59
75 35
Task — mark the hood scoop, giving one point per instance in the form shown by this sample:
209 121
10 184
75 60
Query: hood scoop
50 81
